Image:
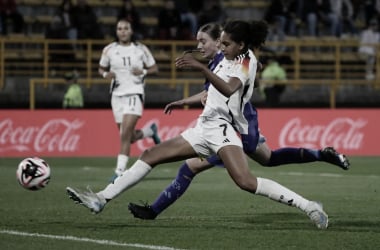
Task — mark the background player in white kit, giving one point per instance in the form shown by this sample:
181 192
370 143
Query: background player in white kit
232 80
127 63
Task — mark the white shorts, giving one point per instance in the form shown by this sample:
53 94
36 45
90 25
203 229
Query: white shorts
126 104
210 135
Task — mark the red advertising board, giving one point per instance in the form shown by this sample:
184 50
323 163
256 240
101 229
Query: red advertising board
78 133
350 131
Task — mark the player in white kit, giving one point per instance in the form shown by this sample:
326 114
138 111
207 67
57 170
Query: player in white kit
231 87
254 143
126 63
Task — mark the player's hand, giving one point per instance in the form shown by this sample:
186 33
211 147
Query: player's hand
169 107
110 75
137 71
187 61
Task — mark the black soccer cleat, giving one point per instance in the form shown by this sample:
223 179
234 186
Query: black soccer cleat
144 212
330 155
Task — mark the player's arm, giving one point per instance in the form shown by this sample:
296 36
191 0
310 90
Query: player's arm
226 89
191 100
152 70
150 66
103 71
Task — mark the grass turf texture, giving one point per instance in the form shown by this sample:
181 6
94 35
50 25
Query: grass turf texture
213 214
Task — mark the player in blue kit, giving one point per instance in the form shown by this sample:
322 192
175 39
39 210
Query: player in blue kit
208 39
232 83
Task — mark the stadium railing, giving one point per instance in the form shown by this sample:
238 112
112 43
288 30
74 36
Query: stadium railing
41 81
324 61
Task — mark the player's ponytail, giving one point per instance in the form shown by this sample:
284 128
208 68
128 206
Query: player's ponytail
259 33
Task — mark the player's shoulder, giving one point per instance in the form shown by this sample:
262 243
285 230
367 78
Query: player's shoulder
110 46
141 46
246 58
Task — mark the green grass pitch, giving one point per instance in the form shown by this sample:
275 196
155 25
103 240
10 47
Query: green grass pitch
213 214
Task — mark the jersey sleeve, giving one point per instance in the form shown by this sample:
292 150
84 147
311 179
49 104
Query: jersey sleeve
148 58
105 59
244 69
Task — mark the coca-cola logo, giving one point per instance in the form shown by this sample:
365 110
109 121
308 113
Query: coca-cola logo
340 133
56 135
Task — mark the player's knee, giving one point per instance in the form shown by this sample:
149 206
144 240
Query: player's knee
246 184
147 156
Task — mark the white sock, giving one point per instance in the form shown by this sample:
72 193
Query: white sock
147 131
277 192
121 165
127 180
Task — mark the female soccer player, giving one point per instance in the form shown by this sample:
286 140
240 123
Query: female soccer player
127 63
208 45
231 88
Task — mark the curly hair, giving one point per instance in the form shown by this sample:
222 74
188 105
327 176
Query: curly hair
253 33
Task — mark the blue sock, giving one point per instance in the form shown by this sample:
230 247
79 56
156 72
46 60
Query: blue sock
293 155
175 190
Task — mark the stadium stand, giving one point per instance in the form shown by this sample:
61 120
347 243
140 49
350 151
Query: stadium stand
323 72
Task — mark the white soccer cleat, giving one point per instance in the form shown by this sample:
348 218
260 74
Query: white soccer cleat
87 198
316 214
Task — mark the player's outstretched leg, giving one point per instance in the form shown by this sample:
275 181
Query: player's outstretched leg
87 198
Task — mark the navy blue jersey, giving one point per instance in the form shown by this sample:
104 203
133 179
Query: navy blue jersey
211 65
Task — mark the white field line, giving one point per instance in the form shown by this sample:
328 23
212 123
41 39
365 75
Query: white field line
311 174
326 175
80 239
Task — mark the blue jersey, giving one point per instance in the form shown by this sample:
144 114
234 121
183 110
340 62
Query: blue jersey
212 65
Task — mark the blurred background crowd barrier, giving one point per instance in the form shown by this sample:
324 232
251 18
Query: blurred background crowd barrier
323 68
327 67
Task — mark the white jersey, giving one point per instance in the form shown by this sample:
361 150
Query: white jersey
121 60
231 108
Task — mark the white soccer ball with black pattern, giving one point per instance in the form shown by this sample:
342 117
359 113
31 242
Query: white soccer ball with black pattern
33 173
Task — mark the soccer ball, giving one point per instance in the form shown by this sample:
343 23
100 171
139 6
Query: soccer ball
33 173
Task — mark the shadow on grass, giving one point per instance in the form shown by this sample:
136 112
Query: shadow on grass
153 178
261 221
274 221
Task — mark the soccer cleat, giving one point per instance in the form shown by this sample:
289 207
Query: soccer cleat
144 212
316 214
87 198
330 155
155 136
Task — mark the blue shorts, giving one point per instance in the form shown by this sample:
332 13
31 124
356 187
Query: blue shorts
216 161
